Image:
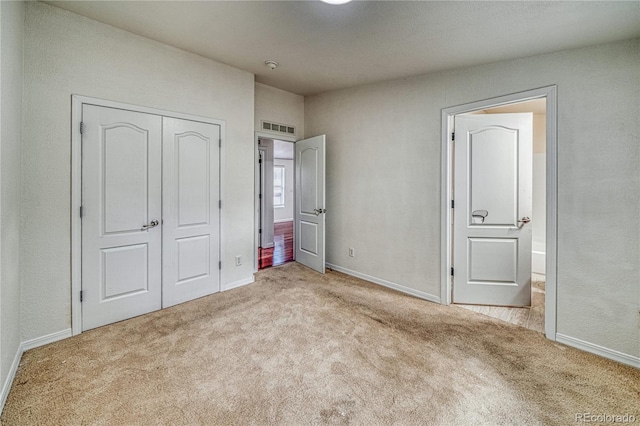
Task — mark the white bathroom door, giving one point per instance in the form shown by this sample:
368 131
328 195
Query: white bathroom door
310 202
493 207
191 182
121 213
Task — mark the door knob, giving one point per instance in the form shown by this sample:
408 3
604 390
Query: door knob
318 211
523 221
153 224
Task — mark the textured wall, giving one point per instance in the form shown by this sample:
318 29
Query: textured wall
282 107
68 54
383 179
11 43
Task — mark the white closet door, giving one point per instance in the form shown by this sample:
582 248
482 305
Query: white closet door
191 182
121 199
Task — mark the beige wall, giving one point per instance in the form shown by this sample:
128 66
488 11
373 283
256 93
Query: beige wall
279 106
68 54
383 179
11 46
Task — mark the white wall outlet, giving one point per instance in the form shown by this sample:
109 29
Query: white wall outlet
352 252
238 260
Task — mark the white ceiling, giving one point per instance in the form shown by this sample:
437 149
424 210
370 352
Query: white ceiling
322 47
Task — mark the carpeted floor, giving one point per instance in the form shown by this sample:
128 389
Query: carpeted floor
300 348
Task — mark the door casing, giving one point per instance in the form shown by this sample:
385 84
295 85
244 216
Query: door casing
76 189
550 94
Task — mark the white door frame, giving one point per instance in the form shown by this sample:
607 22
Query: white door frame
256 188
76 189
550 94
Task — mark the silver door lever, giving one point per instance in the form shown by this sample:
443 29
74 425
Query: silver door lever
153 224
523 221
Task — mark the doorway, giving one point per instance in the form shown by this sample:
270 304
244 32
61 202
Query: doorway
503 254
276 170
307 192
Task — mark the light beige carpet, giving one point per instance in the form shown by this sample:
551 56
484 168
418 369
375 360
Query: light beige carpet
300 348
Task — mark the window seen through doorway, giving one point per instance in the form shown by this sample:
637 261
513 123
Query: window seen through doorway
278 186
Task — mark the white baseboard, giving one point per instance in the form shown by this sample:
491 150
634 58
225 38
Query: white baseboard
385 283
538 262
620 357
267 245
6 386
283 220
239 283
45 340
22 348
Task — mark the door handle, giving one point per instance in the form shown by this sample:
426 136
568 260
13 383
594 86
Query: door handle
523 221
153 224
318 211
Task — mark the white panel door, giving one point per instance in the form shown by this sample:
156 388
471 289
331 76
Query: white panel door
191 182
310 198
121 199
493 196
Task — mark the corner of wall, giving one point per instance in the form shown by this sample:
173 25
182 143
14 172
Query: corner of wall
12 28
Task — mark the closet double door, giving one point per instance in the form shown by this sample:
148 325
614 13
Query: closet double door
150 213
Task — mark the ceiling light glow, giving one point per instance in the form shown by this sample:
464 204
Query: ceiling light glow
336 1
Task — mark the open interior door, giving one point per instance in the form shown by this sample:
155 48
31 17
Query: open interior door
310 198
493 206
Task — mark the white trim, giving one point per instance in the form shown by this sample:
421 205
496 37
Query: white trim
6 386
283 220
240 283
76 223
550 93
45 340
22 348
76 188
222 182
385 283
256 188
620 357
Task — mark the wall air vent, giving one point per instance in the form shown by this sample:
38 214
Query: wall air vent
279 128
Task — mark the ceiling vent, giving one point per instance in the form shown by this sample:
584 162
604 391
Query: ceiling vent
279 128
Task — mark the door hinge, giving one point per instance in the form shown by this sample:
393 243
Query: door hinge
81 295
81 127
260 161
81 211
219 204
259 231
260 196
452 271
453 204
453 136
220 265
220 143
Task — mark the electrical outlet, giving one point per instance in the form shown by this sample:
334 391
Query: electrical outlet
238 260
352 252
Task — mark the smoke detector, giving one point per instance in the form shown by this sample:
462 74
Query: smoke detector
271 64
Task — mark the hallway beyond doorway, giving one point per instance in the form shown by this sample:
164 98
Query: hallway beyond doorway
282 250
